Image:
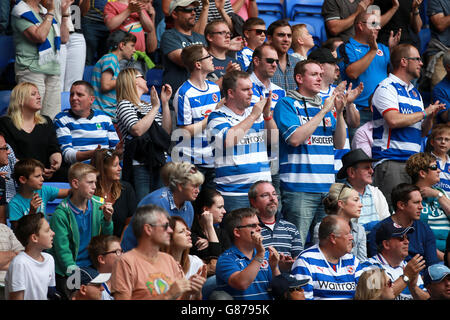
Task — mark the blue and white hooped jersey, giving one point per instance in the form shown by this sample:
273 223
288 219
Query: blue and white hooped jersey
338 153
310 166
237 167
244 57
192 105
395 144
326 281
260 90
444 176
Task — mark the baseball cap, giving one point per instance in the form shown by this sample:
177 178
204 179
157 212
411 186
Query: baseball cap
90 275
322 55
282 283
389 230
181 3
435 273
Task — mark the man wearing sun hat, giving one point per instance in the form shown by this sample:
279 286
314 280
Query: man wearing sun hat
393 245
437 281
90 286
357 170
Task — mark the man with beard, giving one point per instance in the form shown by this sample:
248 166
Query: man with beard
174 40
276 231
308 135
399 120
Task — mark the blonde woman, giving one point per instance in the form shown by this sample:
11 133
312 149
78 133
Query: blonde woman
344 201
374 284
30 134
135 119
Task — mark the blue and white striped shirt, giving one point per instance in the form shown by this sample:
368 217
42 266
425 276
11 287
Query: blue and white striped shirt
233 260
401 143
326 282
237 167
192 105
260 90
83 134
444 176
244 57
310 166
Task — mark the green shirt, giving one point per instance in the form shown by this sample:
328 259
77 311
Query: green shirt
27 53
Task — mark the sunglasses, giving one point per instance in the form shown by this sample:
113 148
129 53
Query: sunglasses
252 226
165 226
296 289
271 60
340 192
434 167
259 31
186 10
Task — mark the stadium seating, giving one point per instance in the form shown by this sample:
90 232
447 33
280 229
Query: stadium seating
87 75
4 101
315 26
65 100
7 52
425 36
154 78
51 205
271 7
303 7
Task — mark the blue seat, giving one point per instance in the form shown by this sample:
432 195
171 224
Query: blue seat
270 6
7 52
269 17
303 7
5 95
317 23
87 74
425 36
154 78
51 205
65 100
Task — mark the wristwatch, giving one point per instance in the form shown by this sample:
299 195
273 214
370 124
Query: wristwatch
405 278
440 195
260 260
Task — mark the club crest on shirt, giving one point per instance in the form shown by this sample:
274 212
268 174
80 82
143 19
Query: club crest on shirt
265 264
380 53
351 269
274 96
215 97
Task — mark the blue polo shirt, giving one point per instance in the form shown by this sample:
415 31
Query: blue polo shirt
234 260
164 198
374 74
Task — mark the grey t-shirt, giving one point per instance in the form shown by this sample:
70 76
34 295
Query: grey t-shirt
338 10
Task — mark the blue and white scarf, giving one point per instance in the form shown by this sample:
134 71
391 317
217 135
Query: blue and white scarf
46 54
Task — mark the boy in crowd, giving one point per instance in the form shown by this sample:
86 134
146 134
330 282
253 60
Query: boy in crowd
302 41
76 220
439 143
254 30
106 70
32 271
32 196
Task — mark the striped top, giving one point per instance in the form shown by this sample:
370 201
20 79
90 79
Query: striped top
401 143
233 260
310 166
192 105
394 273
82 134
105 101
244 57
284 237
260 90
327 282
237 167
444 181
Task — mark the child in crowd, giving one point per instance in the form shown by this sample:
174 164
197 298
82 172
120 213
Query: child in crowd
91 285
302 41
254 30
32 271
32 196
76 220
439 144
103 252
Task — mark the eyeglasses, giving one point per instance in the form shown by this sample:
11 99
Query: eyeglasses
271 60
118 252
414 58
222 33
251 225
267 195
440 139
139 76
434 167
4 148
207 57
165 226
402 238
259 31
186 10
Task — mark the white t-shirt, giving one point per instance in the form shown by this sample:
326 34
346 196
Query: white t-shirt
31 276
195 264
